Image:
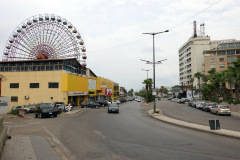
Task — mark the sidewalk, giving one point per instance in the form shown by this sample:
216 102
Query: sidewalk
22 147
223 132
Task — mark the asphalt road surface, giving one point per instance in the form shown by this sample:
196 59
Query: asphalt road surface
132 135
193 115
94 134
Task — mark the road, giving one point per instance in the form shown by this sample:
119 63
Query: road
193 115
95 134
129 135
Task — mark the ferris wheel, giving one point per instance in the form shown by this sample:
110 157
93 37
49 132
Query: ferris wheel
45 36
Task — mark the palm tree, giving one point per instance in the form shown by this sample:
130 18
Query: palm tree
191 81
235 74
207 90
223 80
214 78
230 80
199 75
148 86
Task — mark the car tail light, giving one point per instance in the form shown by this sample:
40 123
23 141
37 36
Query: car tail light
219 109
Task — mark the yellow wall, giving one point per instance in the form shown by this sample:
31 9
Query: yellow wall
66 82
74 83
36 95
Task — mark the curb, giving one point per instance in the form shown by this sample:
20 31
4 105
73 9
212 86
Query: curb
222 132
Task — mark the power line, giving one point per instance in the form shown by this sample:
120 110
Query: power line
149 38
196 14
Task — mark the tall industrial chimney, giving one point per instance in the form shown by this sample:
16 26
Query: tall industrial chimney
194 29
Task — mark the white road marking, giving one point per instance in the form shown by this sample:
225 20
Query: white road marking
100 134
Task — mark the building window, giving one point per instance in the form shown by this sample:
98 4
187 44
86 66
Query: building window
230 52
91 92
221 59
34 85
231 58
212 60
219 53
14 85
53 85
14 98
213 66
222 66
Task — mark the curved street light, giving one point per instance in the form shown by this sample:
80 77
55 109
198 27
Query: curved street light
147 71
158 62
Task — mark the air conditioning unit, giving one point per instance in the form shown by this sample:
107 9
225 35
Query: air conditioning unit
26 97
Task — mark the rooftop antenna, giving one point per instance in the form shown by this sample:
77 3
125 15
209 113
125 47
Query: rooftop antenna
194 29
202 30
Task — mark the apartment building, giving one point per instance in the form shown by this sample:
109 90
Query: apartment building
222 56
191 58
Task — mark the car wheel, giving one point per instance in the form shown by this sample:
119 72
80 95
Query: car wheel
103 105
55 115
97 106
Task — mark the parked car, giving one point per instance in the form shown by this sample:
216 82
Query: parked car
138 100
207 106
113 108
102 102
116 101
60 106
180 101
221 110
186 99
199 105
87 104
45 110
192 103
27 110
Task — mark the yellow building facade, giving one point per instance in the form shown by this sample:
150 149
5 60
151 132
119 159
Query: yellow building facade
47 81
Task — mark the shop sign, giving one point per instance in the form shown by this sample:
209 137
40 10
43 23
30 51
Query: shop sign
77 93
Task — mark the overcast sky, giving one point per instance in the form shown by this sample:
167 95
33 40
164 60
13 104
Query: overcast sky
112 31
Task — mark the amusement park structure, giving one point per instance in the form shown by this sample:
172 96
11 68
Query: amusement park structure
45 36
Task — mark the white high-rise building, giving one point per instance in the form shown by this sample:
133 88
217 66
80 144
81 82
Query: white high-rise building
191 58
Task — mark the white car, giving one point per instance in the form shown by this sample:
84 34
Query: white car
138 100
67 108
116 101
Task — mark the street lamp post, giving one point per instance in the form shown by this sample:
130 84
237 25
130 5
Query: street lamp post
147 71
153 34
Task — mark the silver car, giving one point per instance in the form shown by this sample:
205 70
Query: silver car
207 106
199 105
221 109
113 108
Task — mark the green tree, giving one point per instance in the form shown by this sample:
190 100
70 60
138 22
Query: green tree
191 81
214 78
207 91
235 75
199 75
148 85
130 93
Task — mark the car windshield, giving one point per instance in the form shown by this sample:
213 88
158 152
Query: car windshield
46 105
113 105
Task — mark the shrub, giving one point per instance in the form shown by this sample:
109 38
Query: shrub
15 112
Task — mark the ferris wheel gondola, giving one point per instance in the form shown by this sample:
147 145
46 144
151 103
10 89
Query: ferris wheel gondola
45 36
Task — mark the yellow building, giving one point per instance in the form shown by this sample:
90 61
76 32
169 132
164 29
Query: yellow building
36 81
107 89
